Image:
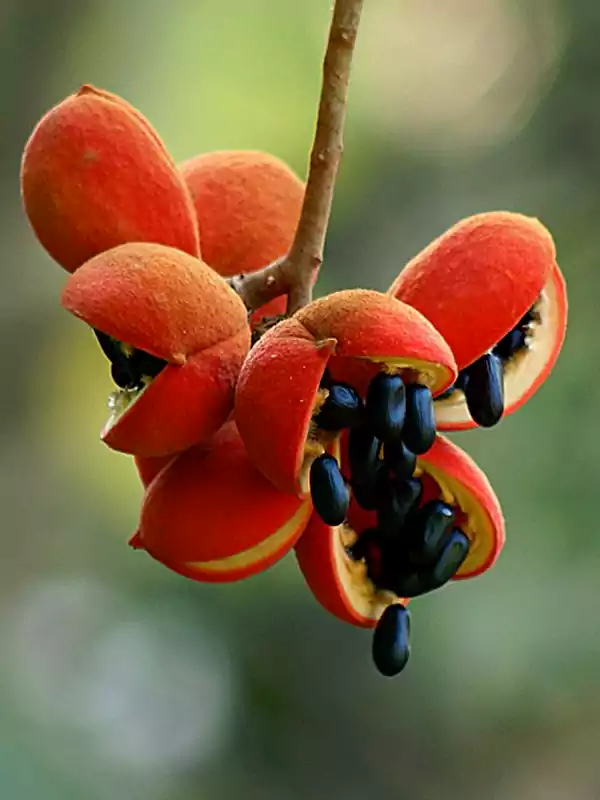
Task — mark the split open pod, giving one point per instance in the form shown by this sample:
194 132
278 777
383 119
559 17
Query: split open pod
443 523
211 516
248 205
290 413
492 287
177 336
95 174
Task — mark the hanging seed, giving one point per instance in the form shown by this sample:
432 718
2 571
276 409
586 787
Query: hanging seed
385 406
368 494
329 493
399 459
454 553
363 455
391 640
510 344
396 503
342 409
485 390
418 433
429 529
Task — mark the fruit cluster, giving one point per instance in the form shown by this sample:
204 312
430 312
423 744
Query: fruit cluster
323 433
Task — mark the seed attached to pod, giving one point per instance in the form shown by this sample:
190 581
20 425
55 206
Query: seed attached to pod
399 459
355 571
342 409
328 490
418 433
500 269
430 527
485 390
304 378
397 502
391 640
385 406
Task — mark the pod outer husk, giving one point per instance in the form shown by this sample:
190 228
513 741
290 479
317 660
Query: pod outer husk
148 467
278 385
275 398
183 405
247 204
211 516
347 593
478 279
155 298
95 174
519 388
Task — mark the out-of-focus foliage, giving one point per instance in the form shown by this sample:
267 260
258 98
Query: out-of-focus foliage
121 680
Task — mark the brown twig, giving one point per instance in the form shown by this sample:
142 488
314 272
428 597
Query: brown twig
295 273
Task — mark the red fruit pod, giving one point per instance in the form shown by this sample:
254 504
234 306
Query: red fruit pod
169 305
211 516
279 391
149 467
490 276
95 174
342 584
248 205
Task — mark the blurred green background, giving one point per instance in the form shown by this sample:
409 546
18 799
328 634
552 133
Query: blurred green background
121 680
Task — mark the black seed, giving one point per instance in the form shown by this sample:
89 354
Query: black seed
448 393
461 380
454 552
385 406
399 459
326 380
328 490
123 376
428 531
397 501
391 640
510 344
418 433
342 409
485 390
407 583
529 317
143 363
368 494
363 455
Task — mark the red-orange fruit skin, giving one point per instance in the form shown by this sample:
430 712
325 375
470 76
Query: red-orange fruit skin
157 299
279 381
172 306
148 467
210 503
560 289
184 405
95 174
315 550
478 279
247 205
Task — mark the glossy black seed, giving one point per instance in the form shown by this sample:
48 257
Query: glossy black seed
399 459
510 344
385 406
429 529
461 380
418 433
329 493
391 640
326 380
485 390
368 493
407 583
454 553
363 455
342 409
143 363
398 500
123 376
